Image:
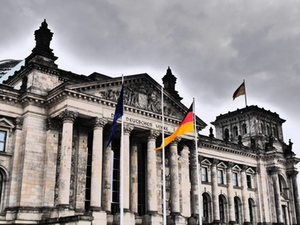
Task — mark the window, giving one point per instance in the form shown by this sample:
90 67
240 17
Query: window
115 193
1 186
235 179
204 174
2 140
205 207
244 128
249 181
251 205
87 203
235 131
221 209
220 177
236 209
142 179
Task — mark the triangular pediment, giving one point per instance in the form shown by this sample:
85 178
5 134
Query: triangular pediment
5 123
141 92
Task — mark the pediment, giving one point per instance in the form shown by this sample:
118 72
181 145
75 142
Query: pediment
140 92
5 123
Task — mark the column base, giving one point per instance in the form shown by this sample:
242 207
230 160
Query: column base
99 217
128 218
193 220
152 218
176 219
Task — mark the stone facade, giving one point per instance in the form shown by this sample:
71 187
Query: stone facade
55 167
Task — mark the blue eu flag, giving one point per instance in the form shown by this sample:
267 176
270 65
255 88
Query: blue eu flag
118 113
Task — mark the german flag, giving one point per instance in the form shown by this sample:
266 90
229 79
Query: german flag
186 126
239 91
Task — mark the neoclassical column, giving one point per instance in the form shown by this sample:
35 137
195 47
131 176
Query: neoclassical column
274 174
185 182
96 176
174 179
230 193
134 177
244 195
293 177
68 118
215 196
126 166
194 181
106 176
151 172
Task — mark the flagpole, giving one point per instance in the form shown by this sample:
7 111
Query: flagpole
245 93
197 165
163 157
121 165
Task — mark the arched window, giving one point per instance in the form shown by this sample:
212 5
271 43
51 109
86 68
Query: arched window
237 210
244 129
235 131
262 127
206 201
268 130
222 209
275 133
1 186
251 210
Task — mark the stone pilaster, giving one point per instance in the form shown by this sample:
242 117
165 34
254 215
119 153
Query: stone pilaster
245 196
96 176
68 118
230 193
215 196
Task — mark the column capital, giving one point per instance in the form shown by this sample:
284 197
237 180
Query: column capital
215 161
175 141
230 164
128 128
244 168
68 116
273 170
99 122
292 174
153 134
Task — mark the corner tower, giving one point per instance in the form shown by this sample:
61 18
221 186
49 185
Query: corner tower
251 126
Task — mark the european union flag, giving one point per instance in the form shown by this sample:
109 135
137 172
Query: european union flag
119 112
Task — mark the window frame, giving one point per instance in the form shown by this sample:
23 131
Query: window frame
220 176
204 175
4 141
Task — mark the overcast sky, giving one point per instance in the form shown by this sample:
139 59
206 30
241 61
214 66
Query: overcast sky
211 46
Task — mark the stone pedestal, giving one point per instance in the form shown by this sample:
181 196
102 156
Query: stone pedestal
152 219
99 218
176 219
128 218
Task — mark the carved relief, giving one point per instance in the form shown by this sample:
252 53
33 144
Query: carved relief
140 95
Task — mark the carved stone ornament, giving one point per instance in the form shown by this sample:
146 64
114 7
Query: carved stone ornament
128 128
99 122
140 95
68 116
153 134
19 123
